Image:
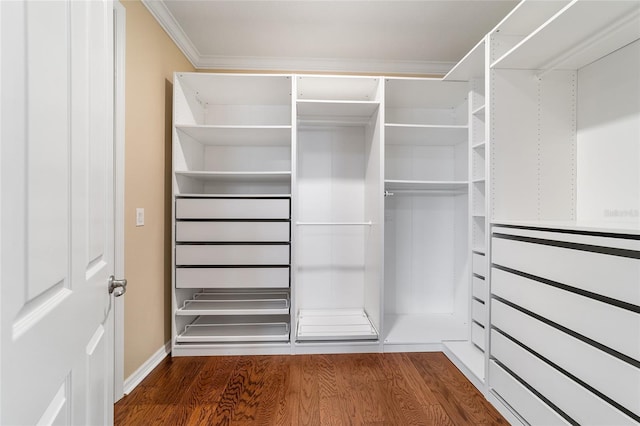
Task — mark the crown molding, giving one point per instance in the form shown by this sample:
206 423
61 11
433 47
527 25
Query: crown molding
166 20
322 65
161 13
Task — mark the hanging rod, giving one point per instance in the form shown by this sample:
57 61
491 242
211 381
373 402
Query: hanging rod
423 191
369 223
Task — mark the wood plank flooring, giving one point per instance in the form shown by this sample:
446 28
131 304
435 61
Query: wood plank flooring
352 389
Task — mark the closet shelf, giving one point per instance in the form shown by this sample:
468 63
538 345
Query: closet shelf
335 324
575 36
254 303
413 185
479 112
263 176
469 67
335 112
425 134
279 135
480 146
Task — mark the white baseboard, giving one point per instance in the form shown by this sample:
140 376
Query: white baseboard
143 371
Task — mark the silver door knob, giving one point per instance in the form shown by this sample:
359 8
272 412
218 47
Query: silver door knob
117 287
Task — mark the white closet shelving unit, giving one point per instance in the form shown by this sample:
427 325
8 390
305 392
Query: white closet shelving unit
426 207
232 171
564 122
338 214
469 354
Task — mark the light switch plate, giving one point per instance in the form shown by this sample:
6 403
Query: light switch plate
139 216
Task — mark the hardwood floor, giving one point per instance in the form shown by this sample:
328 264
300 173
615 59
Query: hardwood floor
353 389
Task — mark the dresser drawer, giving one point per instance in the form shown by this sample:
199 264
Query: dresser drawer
521 399
477 335
479 288
582 405
232 254
232 277
232 231
478 311
589 265
232 208
615 378
479 265
610 325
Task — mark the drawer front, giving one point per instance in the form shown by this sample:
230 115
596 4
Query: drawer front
232 208
586 270
477 335
521 399
232 277
232 231
479 288
608 324
478 311
577 402
479 265
232 254
613 377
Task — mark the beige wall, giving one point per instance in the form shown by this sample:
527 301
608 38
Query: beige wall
151 59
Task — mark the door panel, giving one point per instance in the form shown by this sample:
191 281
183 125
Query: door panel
57 223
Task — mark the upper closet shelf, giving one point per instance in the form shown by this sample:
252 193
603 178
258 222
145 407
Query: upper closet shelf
238 135
479 112
319 111
575 36
417 134
423 185
469 67
269 176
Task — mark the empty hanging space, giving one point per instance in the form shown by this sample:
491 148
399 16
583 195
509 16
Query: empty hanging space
426 213
338 205
232 134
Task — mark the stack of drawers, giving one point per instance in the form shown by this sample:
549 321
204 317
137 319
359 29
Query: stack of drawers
232 272
565 325
478 301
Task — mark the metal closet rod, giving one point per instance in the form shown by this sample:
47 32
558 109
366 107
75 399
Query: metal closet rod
422 191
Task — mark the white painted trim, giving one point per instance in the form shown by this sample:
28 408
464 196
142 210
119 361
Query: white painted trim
504 409
119 146
143 371
166 20
322 64
171 26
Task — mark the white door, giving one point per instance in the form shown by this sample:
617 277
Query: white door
57 218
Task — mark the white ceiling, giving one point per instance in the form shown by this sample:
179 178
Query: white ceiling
304 35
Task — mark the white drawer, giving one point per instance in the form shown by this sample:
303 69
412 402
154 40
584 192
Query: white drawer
478 311
232 277
479 288
232 231
521 399
612 276
477 335
617 328
479 265
615 378
232 254
579 403
232 208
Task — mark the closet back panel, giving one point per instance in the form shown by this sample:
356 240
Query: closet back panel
331 182
429 163
533 145
420 253
608 177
